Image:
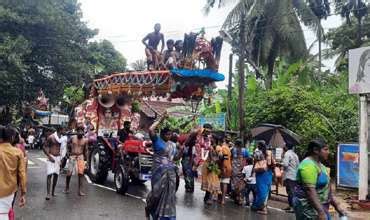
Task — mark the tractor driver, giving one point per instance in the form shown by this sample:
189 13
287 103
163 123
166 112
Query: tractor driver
125 132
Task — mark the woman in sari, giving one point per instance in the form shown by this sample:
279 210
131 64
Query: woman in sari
210 175
239 154
312 195
263 166
161 201
195 151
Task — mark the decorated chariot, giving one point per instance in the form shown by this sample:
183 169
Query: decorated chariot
113 100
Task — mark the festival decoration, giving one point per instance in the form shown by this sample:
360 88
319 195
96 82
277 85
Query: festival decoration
110 102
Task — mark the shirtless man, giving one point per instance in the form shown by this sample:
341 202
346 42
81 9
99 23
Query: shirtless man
52 151
151 50
77 160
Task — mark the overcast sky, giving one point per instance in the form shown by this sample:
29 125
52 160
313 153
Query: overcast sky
125 23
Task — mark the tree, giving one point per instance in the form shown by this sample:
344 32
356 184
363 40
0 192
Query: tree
45 44
72 97
321 9
310 109
346 37
49 41
358 9
139 65
104 58
273 30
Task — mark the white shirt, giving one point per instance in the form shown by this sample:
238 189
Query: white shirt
247 171
290 164
63 145
30 139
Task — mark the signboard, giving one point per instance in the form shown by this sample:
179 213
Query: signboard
359 70
216 120
279 153
348 165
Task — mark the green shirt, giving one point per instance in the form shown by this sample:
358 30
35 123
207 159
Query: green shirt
308 175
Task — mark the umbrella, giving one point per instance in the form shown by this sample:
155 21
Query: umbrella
275 135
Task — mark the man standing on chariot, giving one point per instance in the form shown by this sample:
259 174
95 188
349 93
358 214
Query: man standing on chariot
151 42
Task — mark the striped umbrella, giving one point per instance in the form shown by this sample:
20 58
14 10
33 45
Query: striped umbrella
275 135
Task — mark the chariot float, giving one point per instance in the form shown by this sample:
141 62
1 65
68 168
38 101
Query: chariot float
116 98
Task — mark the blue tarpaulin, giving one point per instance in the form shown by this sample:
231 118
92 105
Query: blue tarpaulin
207 73
42 113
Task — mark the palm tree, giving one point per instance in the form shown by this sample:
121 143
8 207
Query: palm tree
321 9
273 29
358 9
138 65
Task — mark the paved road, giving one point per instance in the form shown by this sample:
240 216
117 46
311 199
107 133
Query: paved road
102 202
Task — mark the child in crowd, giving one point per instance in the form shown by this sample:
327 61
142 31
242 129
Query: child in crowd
31 138
250 179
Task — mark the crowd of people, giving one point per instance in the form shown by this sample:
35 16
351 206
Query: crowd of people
64 151
229 168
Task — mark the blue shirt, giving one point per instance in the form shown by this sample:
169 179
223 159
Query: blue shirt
244 153
158 144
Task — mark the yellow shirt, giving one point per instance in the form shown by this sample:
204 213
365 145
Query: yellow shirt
12 170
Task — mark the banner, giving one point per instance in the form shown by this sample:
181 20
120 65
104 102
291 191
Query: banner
359 71
216 120
348 165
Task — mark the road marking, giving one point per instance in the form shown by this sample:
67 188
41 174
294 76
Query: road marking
88 179
43 159
30 162
136 197
143 199
111 189
276 209
104 187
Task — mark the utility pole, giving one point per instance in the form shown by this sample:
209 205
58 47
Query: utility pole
241 72
363 137
320 46
229 92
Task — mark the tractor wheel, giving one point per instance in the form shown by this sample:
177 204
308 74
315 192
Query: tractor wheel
121 180
97 172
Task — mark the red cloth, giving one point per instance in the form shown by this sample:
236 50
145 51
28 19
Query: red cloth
11 214
182 138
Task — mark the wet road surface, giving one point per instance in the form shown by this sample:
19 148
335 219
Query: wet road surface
102 202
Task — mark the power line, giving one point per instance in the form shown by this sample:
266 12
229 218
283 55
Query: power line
218 26
259 28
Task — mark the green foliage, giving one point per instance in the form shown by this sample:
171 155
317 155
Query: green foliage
135 106
327 112
73 95
184 124
104 58
45 44
138 65
273 29
311 109
344 38
213 167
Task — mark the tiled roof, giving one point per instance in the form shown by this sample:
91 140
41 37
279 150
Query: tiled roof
150 108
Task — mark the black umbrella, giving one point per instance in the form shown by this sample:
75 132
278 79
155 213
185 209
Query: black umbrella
275 135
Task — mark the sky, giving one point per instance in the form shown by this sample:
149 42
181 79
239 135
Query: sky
125 23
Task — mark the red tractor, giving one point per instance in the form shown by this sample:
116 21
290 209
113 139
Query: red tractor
130 161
